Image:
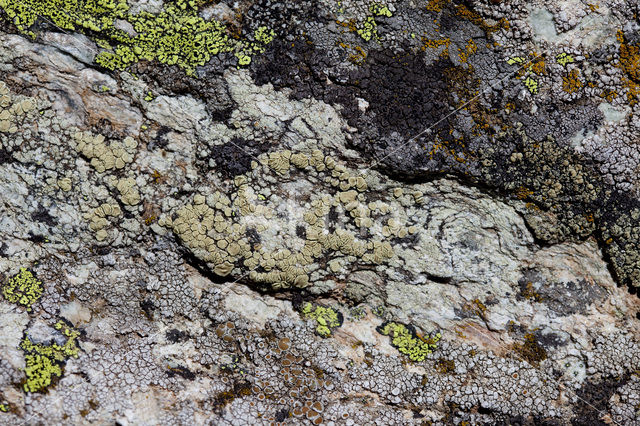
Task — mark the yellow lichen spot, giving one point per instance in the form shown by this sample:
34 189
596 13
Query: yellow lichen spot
531 85
44 362
516 60
326 319
564 59
408 342
23 289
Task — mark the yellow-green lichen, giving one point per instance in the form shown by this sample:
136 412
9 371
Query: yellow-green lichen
24 289
175 36
4 408
45 362
531 85
535 66
516 60
368 29
406 340
326 319
564 59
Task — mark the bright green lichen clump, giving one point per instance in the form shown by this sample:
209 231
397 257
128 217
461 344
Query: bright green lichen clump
175 36
531 84
43 362
564 59
23 289
408 342
369 28
326 318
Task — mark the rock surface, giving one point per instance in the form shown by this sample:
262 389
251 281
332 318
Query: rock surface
317 212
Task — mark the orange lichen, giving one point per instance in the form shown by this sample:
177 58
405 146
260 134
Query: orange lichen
538 64
528 292
435 43
571 83
436 5
523 193
629 63
468 50
608 95
530 350
474 17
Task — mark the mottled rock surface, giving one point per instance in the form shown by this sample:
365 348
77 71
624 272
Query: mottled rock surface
319 212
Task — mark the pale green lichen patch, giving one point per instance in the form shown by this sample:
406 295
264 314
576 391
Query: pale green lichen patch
216 228
105 156
24 289
13 109
45 362
327 319
408 342
98 219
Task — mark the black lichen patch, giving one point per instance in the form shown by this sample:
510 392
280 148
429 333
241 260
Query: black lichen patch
404 91
232 158
253 236
282 415
41 214
36 238
160 140
5 156
594 400
301 232
405 96
148 307
175 335
181 371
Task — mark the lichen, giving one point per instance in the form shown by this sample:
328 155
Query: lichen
45 362
24 289
531 84
564 59
326 319
629 63
367 29
571 82
215 228
530 350
175 36
407 341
